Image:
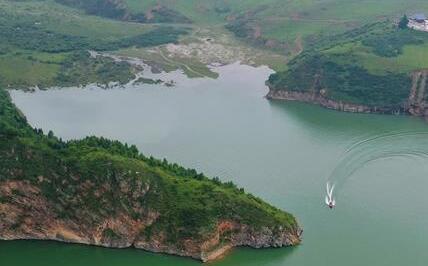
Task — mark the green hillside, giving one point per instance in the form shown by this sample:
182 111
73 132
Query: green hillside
39 39
283 25
370 66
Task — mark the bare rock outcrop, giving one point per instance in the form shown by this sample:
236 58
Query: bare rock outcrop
320 99
26 214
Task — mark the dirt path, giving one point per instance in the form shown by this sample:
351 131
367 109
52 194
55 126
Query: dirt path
298 44
414 89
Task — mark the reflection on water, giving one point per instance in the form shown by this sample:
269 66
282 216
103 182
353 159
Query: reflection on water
282 152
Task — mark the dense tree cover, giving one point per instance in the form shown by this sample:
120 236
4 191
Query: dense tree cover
90 179
344 82
404 21
159 36
117 9
106 8
244 26
79 68
390 43
12 122
24 33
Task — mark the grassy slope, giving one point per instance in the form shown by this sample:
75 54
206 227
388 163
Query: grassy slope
38 38
369 66
189 203
287 20
293 23
62 19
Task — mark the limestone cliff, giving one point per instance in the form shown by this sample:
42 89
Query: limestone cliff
416 104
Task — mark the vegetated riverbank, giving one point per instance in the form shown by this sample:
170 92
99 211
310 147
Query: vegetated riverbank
368 70
100 192
415 105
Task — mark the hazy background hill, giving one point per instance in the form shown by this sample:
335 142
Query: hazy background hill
39 38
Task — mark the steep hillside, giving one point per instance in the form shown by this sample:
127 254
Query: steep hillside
371 69
101 192
293 25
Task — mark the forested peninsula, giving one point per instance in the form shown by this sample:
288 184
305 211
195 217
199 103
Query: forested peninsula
101 192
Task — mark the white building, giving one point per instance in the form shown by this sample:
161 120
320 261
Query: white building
418 22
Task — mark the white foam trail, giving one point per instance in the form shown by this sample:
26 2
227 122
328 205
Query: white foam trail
408 145
329 198
384 136
330 190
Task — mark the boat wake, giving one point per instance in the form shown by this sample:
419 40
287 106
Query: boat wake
329 199
405 145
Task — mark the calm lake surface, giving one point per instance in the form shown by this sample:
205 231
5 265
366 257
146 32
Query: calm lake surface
283 152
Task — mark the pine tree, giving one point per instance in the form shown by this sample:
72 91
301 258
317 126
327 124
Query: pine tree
403 22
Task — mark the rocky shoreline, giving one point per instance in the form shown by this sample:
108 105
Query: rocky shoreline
26 214
318 98
415 105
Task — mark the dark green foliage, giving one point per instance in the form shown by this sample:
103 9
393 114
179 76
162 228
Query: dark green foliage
143 80
163 14
390 43
244 26
222 7
12 122
110 234
105 8
26 33
159 36
240 27
81 69
344 82
117 9
404 21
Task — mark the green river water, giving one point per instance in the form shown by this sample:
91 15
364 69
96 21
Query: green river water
284 152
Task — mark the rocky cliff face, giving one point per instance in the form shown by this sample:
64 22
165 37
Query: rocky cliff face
319 98
26 214
227 235
416 103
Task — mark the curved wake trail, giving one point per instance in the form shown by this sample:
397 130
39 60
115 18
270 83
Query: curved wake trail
389 135
406 145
